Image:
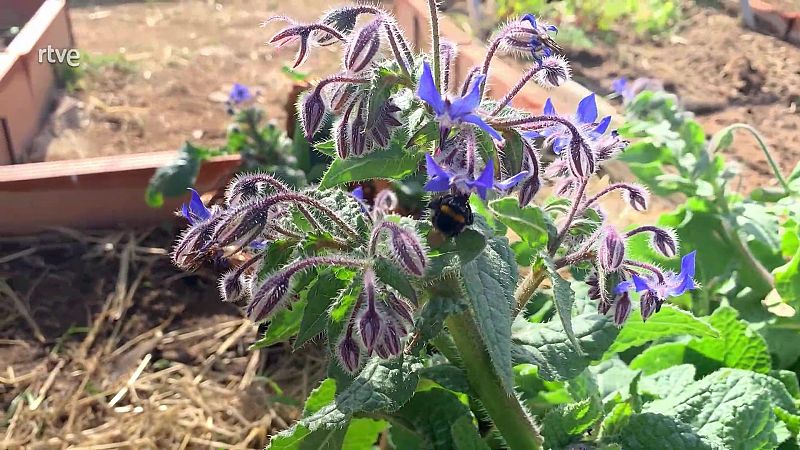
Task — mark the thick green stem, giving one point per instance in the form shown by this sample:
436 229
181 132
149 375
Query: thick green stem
506 412
527 288
435 43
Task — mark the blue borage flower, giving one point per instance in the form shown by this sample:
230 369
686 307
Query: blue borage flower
672 285
537 42
440 179
195 211
584 119
239 94
451 112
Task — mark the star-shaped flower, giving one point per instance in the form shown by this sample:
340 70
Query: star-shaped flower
195 211
454 111
584 119
440 179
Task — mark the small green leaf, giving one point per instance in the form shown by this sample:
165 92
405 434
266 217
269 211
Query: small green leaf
530 222
787 279
176 177
363 434
320 296
566 423
282 326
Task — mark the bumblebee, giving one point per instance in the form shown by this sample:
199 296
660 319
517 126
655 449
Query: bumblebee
451 213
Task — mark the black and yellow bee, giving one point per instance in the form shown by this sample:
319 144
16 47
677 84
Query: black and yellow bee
451 213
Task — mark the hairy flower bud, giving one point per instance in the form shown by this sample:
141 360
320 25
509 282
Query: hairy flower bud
664 241
636 196
553 71
356 131
581 160
270 296
370 321
403 309
405 247
533 183
312 112
348 353
190 249
622 309
385 122
241 225
249 186
648 304
391 340
363 45
234 286
611 250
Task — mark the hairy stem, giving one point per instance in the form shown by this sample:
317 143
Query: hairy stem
508 415
573 211
435 51
764 148
527 288
515 90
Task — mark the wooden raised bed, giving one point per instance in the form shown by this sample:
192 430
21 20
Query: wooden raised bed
27 86
771 19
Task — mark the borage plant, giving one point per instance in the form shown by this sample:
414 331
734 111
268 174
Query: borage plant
434 341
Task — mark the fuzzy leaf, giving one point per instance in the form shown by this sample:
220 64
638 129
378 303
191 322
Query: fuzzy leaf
433 413
362 434
319 296
489 282
787 279
738 345
660 432
173 179
530 223
393 163
546 345
668 322
732 405
564 298
564 424
667 382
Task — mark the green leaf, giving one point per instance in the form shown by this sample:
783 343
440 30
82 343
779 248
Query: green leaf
176 177
660 356
668 322
659 432
320 296
299 437
565 423
789 380
363 434
792 421
489 281
546 345
733 406
667 382
530 222
282 326
448 376
738 345
434 413
787 279
564 298
390 274
464 435
320 397
393 163
381 386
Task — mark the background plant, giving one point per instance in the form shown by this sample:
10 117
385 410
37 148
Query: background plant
434 340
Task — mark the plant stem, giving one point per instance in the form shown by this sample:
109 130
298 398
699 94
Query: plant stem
527 288
760 139
506 412
435 43
573 211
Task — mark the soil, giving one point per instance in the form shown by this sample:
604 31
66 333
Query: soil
112 298
157 74
722 72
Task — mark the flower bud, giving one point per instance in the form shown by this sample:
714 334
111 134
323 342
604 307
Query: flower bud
402 308
611 250
370 326
648 304
250 186
385 122
348 352
608 146
234 286
407 251
664 241
269 296
553 71
391 340
636 196
190 249
241 225
603 306
385 201
312 112
622 309
363 45
357 131
581 160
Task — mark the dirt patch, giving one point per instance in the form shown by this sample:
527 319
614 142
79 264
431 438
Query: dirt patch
103 341
721 71
157 74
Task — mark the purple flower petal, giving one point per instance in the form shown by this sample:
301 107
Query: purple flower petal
427 90
559 144
511 182
602 126
587 109
619 85
438 178
640 283
623 286
531 18
475 120
358 193
485 181
549 109
467 104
